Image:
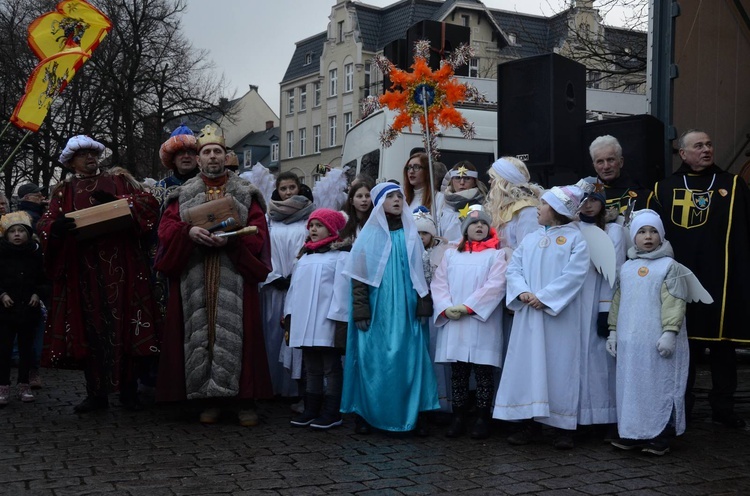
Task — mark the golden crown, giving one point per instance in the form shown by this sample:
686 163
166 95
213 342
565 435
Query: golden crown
210 135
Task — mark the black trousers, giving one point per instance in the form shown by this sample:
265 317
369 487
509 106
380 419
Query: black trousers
484 376
723 363
8 333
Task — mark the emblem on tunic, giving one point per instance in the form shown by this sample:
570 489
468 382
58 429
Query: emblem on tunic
561 240
544 242
632 194
643 271
723 192
689 208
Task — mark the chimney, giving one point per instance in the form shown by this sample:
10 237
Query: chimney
269 125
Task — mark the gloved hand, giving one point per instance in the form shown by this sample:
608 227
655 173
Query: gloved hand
666 344
362 325
103 196
62 226
612 343
456 312
602 328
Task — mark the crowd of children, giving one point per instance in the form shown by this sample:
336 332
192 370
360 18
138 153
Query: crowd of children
385 310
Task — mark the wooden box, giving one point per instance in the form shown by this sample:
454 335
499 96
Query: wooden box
102 219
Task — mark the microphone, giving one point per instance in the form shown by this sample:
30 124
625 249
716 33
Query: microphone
230 222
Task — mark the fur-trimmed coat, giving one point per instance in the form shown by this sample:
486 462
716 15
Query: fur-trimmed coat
236 364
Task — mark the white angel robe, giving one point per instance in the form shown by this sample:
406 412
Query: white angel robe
284 364
319 296
649 387
476 280
597 389
541 372
522 223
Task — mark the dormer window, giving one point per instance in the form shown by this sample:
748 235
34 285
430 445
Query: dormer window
512 38
308 58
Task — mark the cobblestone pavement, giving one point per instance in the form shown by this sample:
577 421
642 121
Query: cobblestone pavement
45 449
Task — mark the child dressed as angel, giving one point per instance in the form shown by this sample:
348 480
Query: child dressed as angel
648 338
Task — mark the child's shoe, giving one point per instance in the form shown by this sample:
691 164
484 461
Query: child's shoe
313 404
629 444
330 415
658 446
528 433
25 394
4 395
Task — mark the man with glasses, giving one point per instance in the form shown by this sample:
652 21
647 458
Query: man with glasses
706 215
102 317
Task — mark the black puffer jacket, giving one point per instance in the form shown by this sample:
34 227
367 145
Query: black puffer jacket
21 276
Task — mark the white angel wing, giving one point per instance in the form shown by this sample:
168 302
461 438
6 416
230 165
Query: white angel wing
262 179
330 190
695 290
601 251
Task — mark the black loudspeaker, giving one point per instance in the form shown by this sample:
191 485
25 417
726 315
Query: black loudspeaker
642 140
396 52
541 109
443 38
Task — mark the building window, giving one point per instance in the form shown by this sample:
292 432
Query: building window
274 152
368 68
316 94
308 58
290 102
512 38
316 139
340 37
474 68
247 158
348 78
332 131
302 141
290 144
348 121
302 98
594 77
333 88
465 20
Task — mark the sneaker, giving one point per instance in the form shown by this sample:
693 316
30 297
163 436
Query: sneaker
729 419
327 420
210 415
298 407
526 435
4 395
248 418
629 444
35 380
657 446
25 394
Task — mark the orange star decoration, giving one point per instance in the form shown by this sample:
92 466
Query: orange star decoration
439 89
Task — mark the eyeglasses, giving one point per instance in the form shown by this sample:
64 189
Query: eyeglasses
413 168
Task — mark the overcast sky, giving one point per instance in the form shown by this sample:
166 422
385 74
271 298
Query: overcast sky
252 41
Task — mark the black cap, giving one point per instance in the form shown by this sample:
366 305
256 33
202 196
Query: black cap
27 189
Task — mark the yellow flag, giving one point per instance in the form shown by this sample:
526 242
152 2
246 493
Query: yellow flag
49 78
74 24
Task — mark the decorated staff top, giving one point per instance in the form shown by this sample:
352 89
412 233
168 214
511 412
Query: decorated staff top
437 90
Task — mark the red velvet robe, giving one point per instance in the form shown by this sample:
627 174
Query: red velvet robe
102 313
251 258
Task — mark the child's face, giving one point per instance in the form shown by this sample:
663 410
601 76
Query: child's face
317 230
591 207
426 239
477 231
647 239
17 235
545 215
287 189
393 203
361 200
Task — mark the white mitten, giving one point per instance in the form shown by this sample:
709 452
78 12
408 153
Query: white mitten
612 343
666 344
455 312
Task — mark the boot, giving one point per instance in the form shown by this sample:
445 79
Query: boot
92 403
330 416
422 429
458 422
313 402
481 428
361 426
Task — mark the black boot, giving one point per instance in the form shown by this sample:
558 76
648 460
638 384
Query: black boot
361 426
330 415
313 402
422 429
481 428
458 422
92 403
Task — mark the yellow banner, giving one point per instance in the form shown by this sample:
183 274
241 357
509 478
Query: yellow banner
75 24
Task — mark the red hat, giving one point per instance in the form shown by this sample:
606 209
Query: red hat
333 220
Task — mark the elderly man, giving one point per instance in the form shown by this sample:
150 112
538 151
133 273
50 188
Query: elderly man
4 204
31 201
620 189
706 215
178 154
102 315
213 348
